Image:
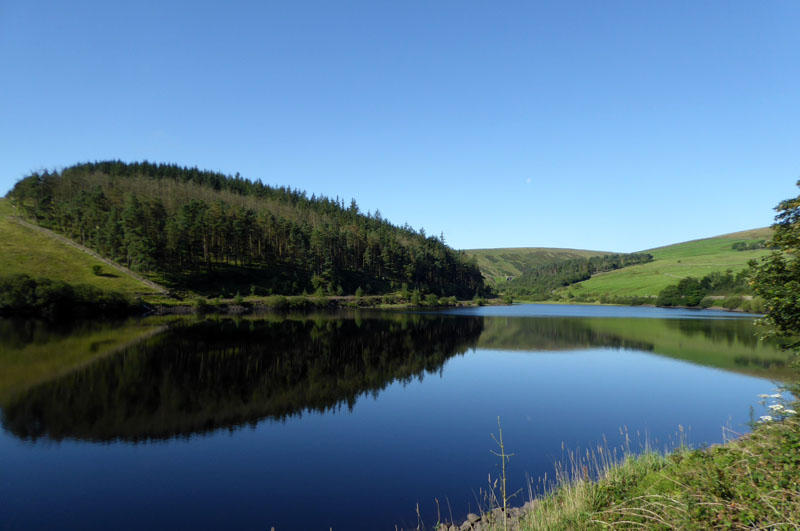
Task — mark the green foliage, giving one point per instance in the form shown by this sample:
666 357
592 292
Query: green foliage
359 292
431 300
202 305
97 270
776 278
692 292
749 246
731 303
184 224
670 296
416 298
278 302
404 293
53 299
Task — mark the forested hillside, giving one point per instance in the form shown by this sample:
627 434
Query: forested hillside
206 231
539 281
499 265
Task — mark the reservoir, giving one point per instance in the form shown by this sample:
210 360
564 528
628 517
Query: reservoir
351 420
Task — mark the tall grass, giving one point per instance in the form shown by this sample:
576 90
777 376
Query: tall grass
750 482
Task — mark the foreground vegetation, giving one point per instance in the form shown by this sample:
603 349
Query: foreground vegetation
747 483
751 483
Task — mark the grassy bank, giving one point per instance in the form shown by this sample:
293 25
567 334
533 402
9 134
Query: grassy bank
751 482
242 305
25 251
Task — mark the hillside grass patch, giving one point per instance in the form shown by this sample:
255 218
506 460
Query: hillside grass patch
672 263
25 251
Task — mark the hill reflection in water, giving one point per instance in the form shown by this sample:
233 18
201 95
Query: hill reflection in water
226 373
197 376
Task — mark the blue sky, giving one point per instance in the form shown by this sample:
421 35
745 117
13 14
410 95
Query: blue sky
601 125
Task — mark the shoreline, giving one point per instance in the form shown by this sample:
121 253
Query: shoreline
675 489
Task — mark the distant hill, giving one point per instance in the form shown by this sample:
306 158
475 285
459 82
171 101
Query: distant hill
670 263
497 265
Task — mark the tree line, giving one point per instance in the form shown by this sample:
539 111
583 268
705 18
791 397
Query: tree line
186 224
693 292
539 281
21 295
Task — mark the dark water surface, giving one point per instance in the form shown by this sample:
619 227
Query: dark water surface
347 420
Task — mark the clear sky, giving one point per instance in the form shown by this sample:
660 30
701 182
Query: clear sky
601 125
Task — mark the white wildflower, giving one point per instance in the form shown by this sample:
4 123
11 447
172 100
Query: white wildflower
790 411
776 407
765 418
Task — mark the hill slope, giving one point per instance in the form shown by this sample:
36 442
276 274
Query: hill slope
497 265
26 250
694 258
214 234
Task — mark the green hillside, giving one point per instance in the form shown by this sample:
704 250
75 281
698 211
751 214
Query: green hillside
25 250
499 264
204 232
695 258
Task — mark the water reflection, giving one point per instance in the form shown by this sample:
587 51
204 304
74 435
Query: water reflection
731 344
164 378
225 373
556 380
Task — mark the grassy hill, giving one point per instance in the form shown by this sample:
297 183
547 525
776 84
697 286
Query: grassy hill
695 258
25 250
498 264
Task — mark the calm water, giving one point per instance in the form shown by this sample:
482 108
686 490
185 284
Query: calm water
347 420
